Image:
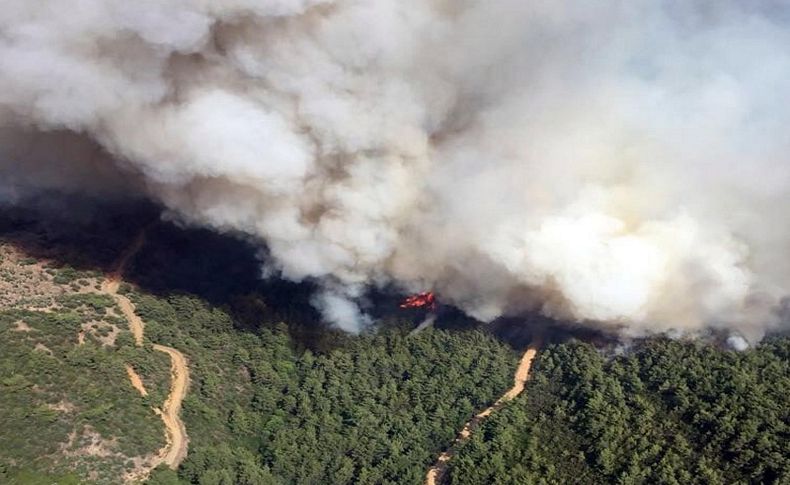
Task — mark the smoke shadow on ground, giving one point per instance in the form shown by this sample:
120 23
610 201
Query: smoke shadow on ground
89 234
222 269
75 231
519 331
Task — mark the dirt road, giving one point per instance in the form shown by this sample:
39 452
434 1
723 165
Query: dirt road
136 324
175 450
177 440
111 285
436 472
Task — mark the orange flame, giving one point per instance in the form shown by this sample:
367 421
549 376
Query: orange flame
421 300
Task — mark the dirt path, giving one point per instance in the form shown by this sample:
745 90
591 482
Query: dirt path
111 285
136 324
175 450
177 440
126 256
137 382
436 473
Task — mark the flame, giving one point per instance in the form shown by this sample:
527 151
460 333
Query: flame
421 300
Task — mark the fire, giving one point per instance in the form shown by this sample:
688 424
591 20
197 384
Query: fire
421 300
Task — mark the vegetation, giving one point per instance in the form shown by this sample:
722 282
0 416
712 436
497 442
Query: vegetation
376 409
668 412
297 403
66 406
268 402
67 410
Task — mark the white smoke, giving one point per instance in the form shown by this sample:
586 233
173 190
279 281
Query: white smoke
736 342
623 163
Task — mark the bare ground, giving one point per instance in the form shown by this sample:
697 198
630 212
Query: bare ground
137 382
176 449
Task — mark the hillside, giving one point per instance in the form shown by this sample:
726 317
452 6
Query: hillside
275 397
667 412
66 403
273 403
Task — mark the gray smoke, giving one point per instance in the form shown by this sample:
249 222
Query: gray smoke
615 163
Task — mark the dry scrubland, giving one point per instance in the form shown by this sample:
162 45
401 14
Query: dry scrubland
66 404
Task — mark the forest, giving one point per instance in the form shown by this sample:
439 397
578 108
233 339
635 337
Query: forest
666 411
375 409
268 402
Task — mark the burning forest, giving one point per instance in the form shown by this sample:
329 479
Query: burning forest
394 241
426 300
625 171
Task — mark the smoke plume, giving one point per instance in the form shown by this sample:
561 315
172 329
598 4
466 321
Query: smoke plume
619 163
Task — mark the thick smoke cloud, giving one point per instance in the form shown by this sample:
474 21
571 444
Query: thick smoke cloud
616 163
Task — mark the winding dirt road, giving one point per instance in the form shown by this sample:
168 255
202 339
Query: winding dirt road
175 449
436 473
